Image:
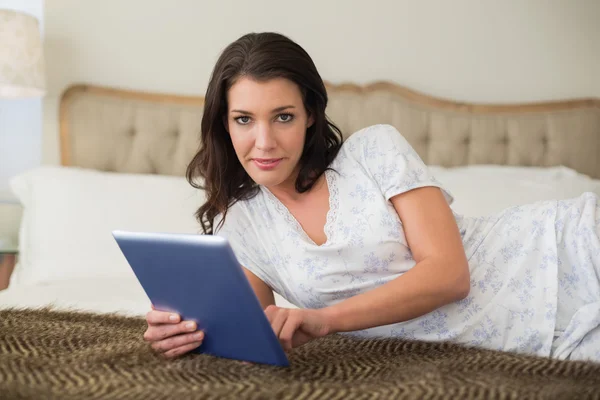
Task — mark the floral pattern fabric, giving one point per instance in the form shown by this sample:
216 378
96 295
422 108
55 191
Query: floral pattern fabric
535 269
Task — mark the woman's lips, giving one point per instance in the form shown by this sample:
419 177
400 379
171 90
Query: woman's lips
267 163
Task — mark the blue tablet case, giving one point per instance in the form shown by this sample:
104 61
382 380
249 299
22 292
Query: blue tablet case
199 277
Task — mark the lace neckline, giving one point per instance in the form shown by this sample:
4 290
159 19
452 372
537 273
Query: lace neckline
332 187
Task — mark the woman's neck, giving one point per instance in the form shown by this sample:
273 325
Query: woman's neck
286 191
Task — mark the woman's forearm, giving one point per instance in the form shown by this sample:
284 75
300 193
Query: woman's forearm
426 287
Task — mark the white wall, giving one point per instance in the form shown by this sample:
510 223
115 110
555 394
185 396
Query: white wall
20 133
477 50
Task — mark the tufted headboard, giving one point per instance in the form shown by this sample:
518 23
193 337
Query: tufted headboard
126 131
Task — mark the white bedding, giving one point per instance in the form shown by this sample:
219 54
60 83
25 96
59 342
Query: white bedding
70 261
122 296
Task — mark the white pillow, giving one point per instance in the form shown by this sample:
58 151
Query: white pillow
69 214
484 189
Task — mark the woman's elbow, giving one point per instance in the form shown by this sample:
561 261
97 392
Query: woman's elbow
461 286
463 291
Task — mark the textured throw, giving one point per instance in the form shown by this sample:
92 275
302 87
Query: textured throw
47 354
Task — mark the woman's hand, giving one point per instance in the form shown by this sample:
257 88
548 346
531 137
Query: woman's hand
168 335
295 327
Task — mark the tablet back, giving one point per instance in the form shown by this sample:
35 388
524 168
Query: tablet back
199 277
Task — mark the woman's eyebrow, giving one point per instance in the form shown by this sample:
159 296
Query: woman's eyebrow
278 109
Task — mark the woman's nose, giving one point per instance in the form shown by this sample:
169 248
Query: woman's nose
265 139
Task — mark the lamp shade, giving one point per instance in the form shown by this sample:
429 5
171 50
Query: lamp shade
21 56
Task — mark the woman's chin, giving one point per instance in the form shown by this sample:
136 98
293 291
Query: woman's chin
268 182
267 179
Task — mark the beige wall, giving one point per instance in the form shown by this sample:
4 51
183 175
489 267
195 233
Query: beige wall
478 50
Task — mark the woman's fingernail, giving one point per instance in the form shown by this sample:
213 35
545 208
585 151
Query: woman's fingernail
189 325
173 317
199 336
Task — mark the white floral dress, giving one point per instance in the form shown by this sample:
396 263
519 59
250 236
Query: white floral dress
535 269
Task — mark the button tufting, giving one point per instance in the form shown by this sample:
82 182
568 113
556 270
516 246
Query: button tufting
131 132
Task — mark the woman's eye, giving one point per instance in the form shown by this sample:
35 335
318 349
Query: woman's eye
244 120
285 117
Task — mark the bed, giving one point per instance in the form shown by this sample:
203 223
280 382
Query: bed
123 157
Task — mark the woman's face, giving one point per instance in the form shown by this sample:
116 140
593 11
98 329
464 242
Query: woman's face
267 123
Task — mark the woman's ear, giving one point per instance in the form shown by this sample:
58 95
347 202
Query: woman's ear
310 121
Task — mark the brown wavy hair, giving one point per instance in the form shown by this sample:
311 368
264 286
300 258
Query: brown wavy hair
260 56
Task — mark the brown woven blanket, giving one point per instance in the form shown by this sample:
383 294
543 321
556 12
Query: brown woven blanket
46 354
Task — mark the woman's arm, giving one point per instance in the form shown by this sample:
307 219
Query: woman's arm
440 276
261 289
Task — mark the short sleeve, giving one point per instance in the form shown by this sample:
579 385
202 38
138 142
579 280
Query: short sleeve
239 232
391 161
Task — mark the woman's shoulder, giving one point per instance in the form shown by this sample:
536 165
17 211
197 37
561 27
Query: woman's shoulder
382 135
371 131
375 141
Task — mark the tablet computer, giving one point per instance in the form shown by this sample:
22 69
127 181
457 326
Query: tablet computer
199 277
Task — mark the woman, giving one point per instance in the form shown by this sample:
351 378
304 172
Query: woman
361 237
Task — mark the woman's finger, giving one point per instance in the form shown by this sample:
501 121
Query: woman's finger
271 311
161 317
181 350
300 338
278 322
159 332
288 330
174 342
